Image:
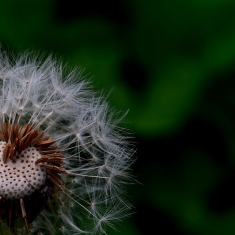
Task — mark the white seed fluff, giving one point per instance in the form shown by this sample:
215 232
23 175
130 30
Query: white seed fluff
96 150
20 177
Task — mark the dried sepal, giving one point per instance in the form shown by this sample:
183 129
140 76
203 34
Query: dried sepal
54 168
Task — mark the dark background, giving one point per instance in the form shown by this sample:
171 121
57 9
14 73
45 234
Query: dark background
172 64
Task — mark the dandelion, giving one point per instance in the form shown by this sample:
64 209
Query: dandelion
63 158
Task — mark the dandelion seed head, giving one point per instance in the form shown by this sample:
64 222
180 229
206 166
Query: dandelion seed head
64 160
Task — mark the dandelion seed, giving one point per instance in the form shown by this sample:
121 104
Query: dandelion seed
63 159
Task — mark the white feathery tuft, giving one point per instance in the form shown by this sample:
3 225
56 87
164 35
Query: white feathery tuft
97 152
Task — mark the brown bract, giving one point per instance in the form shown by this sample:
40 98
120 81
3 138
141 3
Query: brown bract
17 139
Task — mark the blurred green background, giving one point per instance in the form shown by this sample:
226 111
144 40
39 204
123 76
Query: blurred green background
172 64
